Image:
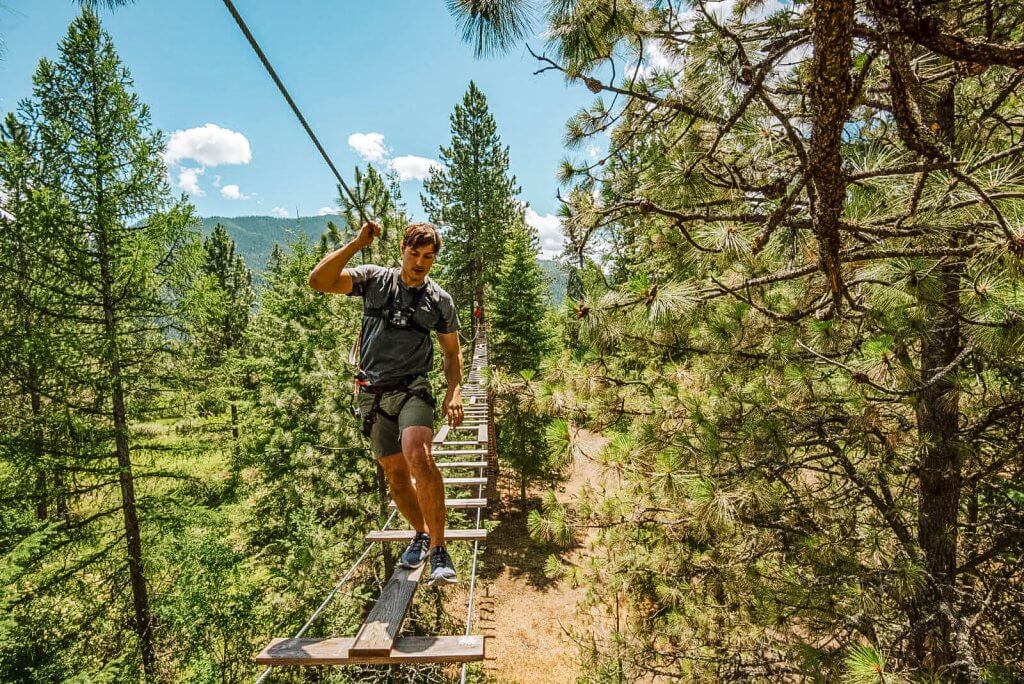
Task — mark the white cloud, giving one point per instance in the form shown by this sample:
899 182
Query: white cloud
210 145
280 212
410 166
370 146
188 180
324 211
593 151
549 230
232 192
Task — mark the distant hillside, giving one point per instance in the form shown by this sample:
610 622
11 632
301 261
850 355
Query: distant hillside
255 237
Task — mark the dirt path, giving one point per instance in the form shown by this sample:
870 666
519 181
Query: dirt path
522 612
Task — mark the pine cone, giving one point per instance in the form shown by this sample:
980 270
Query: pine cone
593 85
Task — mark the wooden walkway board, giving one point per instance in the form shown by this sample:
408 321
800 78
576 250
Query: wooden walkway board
456 452
460 481
338 651
377 635
459 503
406 535
462 464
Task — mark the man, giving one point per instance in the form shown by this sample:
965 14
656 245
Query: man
400 308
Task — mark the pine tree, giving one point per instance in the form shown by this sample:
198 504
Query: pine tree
378 198
807 347
120 258
520 336
27 338
520 341
220 305
472 198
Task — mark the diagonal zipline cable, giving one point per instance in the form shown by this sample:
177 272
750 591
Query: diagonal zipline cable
284 91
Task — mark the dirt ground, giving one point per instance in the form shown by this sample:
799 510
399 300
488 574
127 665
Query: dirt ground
521 612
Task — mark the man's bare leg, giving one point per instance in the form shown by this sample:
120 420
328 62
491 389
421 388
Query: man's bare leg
402 491
429 485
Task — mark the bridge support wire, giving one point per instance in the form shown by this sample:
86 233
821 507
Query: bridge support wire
334 592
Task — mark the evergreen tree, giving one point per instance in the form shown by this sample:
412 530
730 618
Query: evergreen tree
219 306
520 340
26 337
472 198
378 198
808 349
520 337
120 264
234 283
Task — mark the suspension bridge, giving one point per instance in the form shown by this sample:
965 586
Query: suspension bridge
467 457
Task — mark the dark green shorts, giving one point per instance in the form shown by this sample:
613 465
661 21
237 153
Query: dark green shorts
386 436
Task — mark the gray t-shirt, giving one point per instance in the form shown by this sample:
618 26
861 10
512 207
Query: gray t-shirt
387 352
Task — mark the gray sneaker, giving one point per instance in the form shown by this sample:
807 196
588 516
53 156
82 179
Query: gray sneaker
442 570
416 552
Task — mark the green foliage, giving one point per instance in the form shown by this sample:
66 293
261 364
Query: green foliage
794 471
472 198
520 337
378 198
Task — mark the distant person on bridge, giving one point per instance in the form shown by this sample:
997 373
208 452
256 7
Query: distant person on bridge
400 308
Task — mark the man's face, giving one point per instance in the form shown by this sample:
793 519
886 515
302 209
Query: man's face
416 262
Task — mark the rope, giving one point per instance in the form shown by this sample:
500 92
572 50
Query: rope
472 575
284 91
333 593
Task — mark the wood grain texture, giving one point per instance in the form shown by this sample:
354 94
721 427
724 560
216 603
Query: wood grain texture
376 636
406 535
337 651
459 503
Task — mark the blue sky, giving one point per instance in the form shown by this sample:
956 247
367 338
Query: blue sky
375 80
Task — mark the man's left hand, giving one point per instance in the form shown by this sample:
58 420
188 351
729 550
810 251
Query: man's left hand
453 407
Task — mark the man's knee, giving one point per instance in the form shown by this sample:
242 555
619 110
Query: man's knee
396 470
416 447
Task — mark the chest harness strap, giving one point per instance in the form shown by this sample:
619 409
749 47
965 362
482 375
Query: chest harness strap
397 318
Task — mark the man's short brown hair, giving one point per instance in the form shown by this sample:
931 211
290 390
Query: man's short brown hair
420 235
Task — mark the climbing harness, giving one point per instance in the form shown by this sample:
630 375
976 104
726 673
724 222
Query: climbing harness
381 388
395 317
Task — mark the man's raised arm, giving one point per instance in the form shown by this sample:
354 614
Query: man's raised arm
330 274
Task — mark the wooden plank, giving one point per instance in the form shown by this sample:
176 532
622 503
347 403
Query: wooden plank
338 651
376 636
439 437
460 443
406 535
457 452
462 464
460 481
483 433
457 503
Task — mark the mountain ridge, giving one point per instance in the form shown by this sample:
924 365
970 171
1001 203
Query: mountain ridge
255 237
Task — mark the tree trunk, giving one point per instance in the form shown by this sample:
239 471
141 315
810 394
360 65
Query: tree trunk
234 427
940 469
832 33
42 496
133 537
